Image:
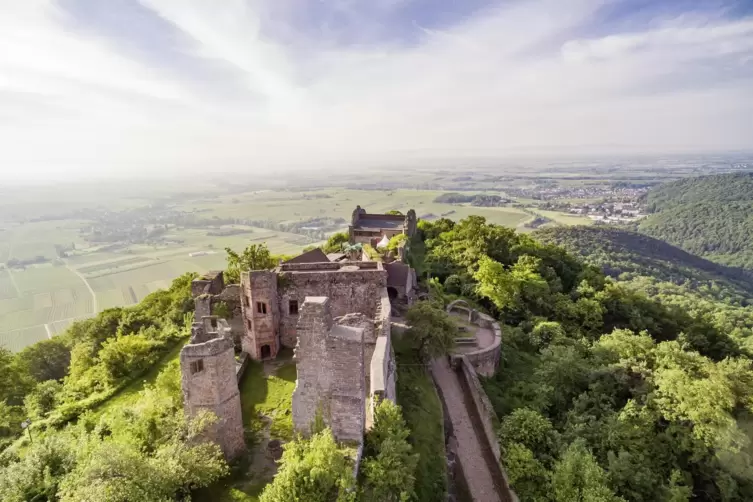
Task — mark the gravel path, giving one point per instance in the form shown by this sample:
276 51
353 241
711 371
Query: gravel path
479 479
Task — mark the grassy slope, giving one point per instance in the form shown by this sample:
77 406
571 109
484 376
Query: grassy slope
268 396
130 393
423 413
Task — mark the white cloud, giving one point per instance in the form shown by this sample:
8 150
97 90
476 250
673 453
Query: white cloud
524 78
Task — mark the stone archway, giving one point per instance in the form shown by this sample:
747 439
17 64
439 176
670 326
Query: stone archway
266 351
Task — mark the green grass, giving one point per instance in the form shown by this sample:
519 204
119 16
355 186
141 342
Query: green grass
271 396
423 413
565 218
130 393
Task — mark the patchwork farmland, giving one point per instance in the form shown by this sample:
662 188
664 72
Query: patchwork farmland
64 276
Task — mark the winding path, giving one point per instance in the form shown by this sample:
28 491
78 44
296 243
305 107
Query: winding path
470 447
94 295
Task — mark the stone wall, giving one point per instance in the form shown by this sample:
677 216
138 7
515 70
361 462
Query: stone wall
261 328
208 379
349 291
231 296
208 291
483 411
210 283
485 361
331 375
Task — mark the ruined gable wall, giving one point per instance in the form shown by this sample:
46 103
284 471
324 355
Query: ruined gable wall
331 373
349 292
313 378
345 363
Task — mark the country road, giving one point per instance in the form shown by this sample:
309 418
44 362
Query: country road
94 295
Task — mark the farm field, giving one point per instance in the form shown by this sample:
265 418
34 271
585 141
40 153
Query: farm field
42 300
566 219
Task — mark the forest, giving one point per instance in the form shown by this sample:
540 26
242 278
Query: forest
606 391
634 385
710 216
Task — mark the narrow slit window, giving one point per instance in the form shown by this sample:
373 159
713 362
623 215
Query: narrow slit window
197 366
261 307
293 307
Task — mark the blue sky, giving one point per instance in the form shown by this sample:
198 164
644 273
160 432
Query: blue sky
137 86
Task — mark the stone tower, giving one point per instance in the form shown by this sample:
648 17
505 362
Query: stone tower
207 365
260 308
331 375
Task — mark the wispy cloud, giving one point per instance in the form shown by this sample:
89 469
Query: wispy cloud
183 85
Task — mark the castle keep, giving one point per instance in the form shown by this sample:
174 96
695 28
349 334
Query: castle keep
336 315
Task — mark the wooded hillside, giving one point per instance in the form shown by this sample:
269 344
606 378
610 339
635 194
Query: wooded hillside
711 216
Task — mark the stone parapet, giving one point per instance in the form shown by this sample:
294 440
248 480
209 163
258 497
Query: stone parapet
483 411
486 360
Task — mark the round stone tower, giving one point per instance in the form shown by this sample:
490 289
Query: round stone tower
209 382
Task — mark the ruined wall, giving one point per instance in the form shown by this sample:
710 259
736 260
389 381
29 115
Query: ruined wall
261 324
208 379
331 373
210 283
481 409
231 296
353 291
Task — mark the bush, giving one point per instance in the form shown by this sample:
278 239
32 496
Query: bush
43 399
389 464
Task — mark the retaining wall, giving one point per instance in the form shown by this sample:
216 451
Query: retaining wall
483 412
485 361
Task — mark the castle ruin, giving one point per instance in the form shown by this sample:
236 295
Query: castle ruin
336 315
208 379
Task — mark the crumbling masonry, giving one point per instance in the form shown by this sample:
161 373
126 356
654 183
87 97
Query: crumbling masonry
336 315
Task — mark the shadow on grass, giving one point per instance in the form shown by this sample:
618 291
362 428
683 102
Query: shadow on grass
261 396
422 411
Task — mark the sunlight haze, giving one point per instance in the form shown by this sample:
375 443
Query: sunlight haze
172 87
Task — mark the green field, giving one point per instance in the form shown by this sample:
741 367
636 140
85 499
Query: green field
44 299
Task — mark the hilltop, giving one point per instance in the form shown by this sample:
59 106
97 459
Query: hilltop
711 216
626 255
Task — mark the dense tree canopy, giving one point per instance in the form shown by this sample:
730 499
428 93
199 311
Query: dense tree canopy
608 390
710 216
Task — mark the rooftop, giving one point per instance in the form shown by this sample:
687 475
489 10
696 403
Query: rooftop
315 255
378 221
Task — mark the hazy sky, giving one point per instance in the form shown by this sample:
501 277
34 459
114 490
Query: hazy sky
94 87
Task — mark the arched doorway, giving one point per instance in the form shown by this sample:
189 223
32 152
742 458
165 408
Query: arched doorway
392 293
266 352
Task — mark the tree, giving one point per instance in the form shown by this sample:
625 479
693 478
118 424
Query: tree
389 464
509 289
254 257
43 399
396 241
335 242
432 330
577 477
312 470
46 360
